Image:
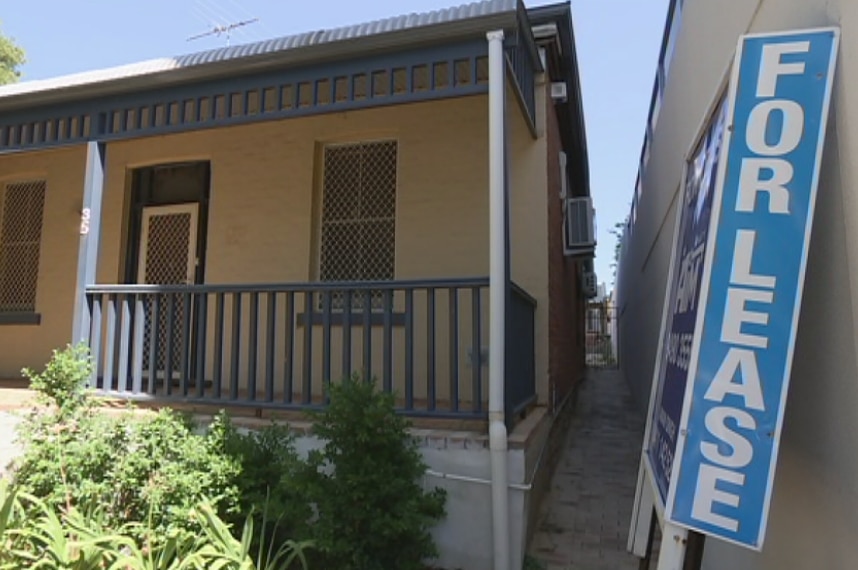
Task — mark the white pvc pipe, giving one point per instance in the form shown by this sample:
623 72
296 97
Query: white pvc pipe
497 301
476 480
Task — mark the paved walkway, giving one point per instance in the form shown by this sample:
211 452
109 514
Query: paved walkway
9 450
584 521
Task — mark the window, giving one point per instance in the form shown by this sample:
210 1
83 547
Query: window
20 242
358 221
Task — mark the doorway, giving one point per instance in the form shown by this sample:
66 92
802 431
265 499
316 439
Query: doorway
166 246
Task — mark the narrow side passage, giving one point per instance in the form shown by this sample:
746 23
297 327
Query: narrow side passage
584 520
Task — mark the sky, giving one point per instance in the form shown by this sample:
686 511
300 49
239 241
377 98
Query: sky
617 44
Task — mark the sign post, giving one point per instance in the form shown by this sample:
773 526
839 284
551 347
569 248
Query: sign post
734 293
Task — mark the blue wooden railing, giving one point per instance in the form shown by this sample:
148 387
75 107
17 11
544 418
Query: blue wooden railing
278 346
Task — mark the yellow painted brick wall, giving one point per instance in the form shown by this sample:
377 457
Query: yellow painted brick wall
262 190
63 171
528 180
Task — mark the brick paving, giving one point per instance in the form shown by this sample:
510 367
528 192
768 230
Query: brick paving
584 520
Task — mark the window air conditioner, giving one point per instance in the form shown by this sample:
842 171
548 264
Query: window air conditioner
590 287
579 227
558 91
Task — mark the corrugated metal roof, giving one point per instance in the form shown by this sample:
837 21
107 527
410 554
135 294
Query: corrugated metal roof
265 48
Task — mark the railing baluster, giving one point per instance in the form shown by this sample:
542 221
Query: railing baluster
270 347
218 345
124 344
253 346
137 350
430 349
290 347
171 327
409 349
185 373
326 342
95 337
367 336
110 346
202 336
476 351
306 389
235 353
154 327
347 332
454 349
388 341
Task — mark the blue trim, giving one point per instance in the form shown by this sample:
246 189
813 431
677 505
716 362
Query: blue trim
106 118
20 319
90 236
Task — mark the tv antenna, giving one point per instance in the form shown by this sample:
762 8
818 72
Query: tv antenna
225 29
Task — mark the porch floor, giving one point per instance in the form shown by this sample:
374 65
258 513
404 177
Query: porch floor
16 395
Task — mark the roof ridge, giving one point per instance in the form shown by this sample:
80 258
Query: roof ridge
282 44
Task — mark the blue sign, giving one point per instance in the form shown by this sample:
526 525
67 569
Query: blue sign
681 308
752 285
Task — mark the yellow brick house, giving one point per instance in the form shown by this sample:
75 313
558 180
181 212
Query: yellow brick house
239 226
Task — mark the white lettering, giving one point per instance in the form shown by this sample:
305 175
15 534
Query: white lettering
742 450
749 387
689 279
744 250
791 129
771 66
750 182
736 315
707 495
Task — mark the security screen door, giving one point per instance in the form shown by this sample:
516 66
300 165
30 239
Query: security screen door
167 256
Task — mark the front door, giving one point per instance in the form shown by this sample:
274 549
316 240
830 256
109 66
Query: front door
168 256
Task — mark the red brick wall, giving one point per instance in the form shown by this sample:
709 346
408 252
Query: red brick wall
566 305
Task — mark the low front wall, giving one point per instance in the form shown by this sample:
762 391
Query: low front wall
460 463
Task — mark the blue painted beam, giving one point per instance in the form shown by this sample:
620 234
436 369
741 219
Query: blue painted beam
166 110
90 235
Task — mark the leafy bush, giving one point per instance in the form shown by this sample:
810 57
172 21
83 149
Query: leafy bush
137 468
372 511
270 485
359 498
63 382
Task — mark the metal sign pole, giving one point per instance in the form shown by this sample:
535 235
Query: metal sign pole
673 546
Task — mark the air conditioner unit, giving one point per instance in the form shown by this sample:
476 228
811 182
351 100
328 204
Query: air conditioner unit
590 287
579 227
558 91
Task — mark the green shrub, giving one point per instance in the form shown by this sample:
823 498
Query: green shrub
63 382
270 484
138 468
365 483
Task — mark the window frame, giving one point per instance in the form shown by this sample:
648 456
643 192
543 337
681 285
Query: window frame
337 311
30 316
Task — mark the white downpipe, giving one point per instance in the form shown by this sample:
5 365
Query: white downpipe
497 301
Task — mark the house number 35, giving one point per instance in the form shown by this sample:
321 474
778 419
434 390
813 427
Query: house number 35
84 221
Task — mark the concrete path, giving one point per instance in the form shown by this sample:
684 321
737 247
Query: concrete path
584 521
9 450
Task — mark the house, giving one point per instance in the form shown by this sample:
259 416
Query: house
235 228
813 514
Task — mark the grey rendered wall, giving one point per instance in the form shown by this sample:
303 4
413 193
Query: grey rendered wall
813 522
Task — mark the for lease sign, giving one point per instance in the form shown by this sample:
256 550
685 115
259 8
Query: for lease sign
751 285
